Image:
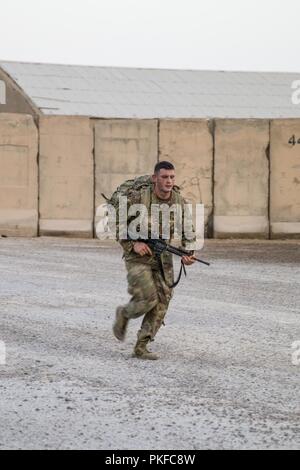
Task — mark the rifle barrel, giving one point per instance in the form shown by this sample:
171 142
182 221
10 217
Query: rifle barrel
201 261
179 252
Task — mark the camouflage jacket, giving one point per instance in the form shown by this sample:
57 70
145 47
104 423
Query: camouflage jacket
149 198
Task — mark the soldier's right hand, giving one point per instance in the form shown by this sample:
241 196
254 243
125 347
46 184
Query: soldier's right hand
141 249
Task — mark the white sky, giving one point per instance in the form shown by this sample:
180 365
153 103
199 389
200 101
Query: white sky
193 34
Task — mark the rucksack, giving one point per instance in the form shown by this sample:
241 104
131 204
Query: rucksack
129 186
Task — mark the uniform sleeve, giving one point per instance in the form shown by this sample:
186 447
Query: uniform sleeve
127 245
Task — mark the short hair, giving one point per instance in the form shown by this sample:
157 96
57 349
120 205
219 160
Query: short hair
163 166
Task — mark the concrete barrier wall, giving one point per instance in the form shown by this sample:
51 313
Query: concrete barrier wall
72 179
124 149
66 176
285 179
188 144
241 180
18 175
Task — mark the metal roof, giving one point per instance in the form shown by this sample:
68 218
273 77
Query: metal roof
113 92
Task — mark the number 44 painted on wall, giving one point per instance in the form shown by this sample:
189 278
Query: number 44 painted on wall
294 141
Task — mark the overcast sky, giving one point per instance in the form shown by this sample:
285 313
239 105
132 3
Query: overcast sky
192 34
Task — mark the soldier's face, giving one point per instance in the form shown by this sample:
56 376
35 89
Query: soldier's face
164 180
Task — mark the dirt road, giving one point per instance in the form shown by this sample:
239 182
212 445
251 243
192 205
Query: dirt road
225 378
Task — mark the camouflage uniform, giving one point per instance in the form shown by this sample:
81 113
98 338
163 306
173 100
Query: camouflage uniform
150 296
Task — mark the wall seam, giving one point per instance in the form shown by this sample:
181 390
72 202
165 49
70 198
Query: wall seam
268 154
38 176
94 180
211 230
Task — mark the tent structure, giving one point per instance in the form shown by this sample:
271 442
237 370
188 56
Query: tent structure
112 92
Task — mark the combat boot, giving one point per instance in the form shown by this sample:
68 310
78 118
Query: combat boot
146 355
120 325
141 351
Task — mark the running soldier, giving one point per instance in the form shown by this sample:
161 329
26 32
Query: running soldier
149 287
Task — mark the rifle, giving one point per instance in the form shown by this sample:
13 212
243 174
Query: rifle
158 246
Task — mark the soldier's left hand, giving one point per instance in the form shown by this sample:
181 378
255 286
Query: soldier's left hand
188 260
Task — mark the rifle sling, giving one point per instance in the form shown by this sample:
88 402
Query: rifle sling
161 268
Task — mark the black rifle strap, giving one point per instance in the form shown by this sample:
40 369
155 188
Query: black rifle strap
161 268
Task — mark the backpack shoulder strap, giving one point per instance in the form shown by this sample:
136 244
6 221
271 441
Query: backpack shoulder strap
146 197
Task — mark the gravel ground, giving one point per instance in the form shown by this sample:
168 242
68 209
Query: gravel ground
225 379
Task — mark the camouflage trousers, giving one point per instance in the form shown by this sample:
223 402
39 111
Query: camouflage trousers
150 296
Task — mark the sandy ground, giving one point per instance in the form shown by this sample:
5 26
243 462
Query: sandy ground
225 379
